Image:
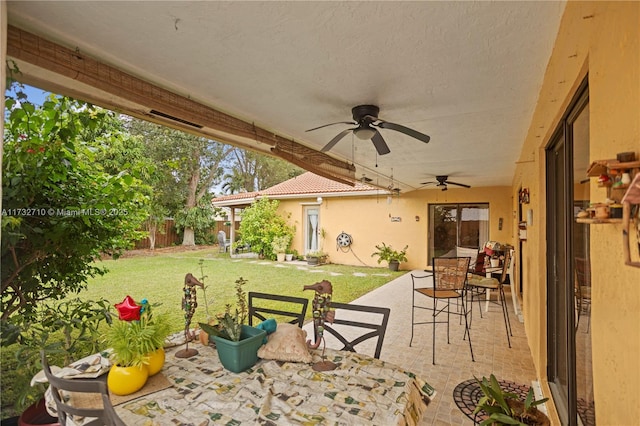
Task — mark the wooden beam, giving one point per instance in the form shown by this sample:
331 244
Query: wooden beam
315 168
142 99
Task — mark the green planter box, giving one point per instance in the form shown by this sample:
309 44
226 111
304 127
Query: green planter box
243 354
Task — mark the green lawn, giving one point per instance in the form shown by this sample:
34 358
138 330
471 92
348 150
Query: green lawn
159 277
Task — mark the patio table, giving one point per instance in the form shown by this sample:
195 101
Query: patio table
362 390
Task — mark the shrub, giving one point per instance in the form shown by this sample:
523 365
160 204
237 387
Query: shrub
261 224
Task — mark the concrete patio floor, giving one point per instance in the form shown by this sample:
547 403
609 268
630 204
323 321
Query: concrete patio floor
453 361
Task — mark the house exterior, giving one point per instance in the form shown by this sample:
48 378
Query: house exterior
370 215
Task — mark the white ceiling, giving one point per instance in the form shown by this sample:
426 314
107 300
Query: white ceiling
466 73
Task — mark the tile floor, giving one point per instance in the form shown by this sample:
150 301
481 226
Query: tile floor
453 361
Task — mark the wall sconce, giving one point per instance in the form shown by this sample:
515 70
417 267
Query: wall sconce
417 218
500 224
319 200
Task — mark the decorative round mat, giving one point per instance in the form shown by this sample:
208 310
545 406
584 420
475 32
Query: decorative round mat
467 394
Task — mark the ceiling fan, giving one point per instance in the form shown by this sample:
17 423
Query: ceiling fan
442 181
366 118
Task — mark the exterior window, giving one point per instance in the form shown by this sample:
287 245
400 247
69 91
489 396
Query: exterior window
451 225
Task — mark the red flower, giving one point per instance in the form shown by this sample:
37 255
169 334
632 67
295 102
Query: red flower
128 309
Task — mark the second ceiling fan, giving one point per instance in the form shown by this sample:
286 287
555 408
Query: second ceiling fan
366 118
443 181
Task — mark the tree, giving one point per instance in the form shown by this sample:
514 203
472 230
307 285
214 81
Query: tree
188 167
250 171
61 210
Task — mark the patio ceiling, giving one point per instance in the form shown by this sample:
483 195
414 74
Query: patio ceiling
466 73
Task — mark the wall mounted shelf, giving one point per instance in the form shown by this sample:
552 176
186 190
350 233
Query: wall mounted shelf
613 168
601 167
628 195
595 221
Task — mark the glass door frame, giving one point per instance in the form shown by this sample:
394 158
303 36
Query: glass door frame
560 274
306 235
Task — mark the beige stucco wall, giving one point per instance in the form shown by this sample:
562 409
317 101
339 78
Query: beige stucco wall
603 40
369 221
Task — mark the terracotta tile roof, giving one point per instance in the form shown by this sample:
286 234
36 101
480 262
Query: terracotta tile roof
309 183
305 184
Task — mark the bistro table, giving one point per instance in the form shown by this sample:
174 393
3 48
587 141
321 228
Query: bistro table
361 390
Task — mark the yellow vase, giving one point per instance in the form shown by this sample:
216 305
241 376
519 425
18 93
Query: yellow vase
156 361
126 380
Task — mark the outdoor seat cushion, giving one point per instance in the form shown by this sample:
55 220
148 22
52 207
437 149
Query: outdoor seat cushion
478 281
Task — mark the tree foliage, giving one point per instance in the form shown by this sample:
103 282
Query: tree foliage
187 167
200 218
61 209
260 224
250 171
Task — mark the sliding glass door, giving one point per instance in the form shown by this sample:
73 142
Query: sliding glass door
568 271
451 225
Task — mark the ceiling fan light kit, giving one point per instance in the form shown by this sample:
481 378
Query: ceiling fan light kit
366 118
364 133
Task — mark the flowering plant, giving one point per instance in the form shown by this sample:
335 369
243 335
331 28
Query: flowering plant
137 333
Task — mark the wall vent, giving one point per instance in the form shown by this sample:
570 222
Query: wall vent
172 118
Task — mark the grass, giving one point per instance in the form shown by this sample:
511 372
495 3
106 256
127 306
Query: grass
159 277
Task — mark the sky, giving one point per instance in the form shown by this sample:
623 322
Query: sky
34 95
37 97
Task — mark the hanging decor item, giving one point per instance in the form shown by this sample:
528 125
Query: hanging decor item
322 313
189 305
523 195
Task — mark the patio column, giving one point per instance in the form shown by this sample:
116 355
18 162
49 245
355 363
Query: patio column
232 231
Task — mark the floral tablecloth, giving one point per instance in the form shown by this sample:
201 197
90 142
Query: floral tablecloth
362 390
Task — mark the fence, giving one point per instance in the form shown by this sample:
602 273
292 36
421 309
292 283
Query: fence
167 234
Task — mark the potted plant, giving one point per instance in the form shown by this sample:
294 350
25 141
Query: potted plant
392 256
506 408
289 255
493 249
237 343
137 343
280 244
316 257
